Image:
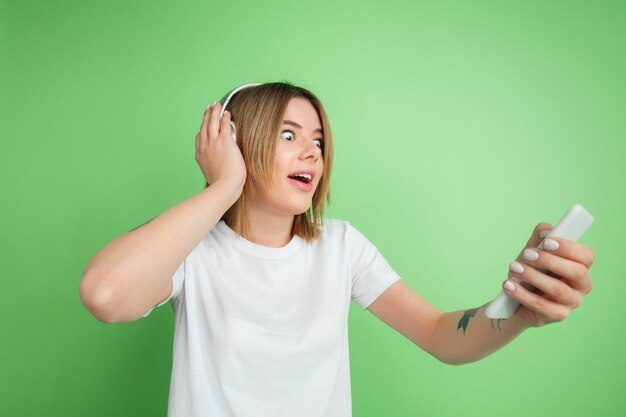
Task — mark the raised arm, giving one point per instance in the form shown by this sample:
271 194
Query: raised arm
468 335
133 273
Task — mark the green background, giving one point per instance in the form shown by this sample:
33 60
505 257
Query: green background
458 127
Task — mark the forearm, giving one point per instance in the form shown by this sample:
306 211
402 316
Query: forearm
467 336
126 276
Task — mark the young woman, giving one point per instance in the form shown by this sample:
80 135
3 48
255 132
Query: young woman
260 283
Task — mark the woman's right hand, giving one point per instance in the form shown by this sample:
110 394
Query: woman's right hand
217 154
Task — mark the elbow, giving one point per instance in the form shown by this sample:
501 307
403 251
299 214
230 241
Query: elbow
446 360
455 360
98 297
450 356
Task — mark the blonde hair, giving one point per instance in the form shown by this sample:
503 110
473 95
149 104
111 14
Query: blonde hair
258 115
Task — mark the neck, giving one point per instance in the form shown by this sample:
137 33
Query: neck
269 229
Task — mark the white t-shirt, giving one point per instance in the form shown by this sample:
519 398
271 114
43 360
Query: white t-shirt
262 331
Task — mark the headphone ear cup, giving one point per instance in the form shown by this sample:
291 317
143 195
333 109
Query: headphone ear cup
224 101
233 130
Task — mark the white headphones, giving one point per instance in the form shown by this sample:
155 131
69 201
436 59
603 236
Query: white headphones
224 101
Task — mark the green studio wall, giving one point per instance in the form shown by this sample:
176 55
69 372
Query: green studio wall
458 127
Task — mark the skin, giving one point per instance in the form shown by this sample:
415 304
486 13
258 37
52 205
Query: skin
557 298
132 274
272 213
468 335
454 337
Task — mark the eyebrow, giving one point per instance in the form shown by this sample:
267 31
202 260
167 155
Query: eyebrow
289 122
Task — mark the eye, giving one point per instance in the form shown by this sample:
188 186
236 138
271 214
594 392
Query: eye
287 135
319 143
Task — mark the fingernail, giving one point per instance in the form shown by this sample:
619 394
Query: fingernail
509 285
530 255
516 267
550 244
215 102
544 234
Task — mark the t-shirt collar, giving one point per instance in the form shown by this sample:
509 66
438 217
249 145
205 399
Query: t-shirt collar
254 248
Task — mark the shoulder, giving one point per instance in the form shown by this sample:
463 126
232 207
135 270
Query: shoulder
334 226
338 228
334 223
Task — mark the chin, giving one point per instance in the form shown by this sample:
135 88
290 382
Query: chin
297 209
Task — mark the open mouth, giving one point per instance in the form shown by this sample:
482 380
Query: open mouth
304 178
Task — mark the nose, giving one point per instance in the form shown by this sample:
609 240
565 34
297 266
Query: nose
310 151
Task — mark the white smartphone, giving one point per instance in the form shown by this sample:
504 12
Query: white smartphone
571 227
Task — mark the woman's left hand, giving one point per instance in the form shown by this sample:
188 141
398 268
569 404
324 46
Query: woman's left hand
560 274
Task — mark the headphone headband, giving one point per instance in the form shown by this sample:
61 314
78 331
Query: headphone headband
224 101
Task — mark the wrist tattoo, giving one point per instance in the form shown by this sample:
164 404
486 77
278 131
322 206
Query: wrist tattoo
498 321
464 322
469 314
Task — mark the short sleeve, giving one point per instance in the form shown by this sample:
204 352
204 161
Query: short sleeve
177 285
370 272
